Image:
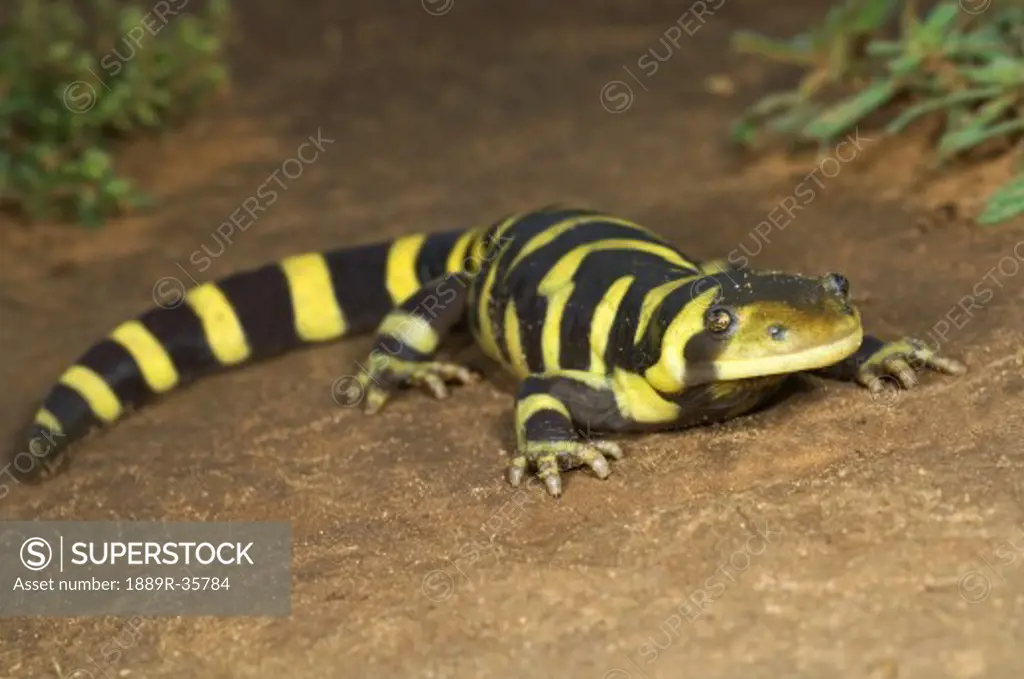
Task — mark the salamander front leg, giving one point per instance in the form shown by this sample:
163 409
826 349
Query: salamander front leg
898 361
554 415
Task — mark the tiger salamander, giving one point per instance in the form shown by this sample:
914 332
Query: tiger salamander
607 327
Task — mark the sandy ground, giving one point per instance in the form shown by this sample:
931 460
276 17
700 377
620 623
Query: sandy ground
831 536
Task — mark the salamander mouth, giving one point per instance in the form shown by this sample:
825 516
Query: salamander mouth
812 358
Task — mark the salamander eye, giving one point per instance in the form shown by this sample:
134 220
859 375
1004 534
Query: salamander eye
718 320
777 333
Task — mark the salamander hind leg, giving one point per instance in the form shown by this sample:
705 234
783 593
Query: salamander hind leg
384 375
407 341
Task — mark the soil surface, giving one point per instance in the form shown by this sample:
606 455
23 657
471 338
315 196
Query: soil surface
833 535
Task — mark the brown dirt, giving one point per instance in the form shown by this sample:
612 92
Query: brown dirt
886 520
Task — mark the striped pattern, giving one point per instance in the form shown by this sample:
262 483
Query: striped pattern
100 396
577 304
153 360
316 314
601 324
487 331
307 298
683 325
531 315
533 411
513 342
411 330
400 275
48 421
222 325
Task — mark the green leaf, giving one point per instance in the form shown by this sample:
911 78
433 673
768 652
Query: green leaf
746 42
791 122
931 33
744 133
60 50
775 102
118 188
905 64
95 164
884 48
982 45
957 141
842 116
146 114
938 103
993 110
1006 202
1000 71
873 14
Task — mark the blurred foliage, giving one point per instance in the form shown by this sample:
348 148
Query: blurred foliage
71 87
962 61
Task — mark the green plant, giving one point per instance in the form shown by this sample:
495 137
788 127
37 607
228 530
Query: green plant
71 89
967 68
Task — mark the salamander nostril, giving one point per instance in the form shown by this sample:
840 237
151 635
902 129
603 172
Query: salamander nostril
837 282
777 333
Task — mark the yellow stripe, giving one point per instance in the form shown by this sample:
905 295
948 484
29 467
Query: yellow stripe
551 333
537 402
554 231
566 267
667 374
457 257
557 286
485 337
601 324
637 400
96 392
223 331
597 382
411 330
652 299
49 421
317 314
715 266
475 257
533 404
478 251
401 277
153 360
515 343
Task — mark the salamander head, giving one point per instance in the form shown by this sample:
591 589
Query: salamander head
740 325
